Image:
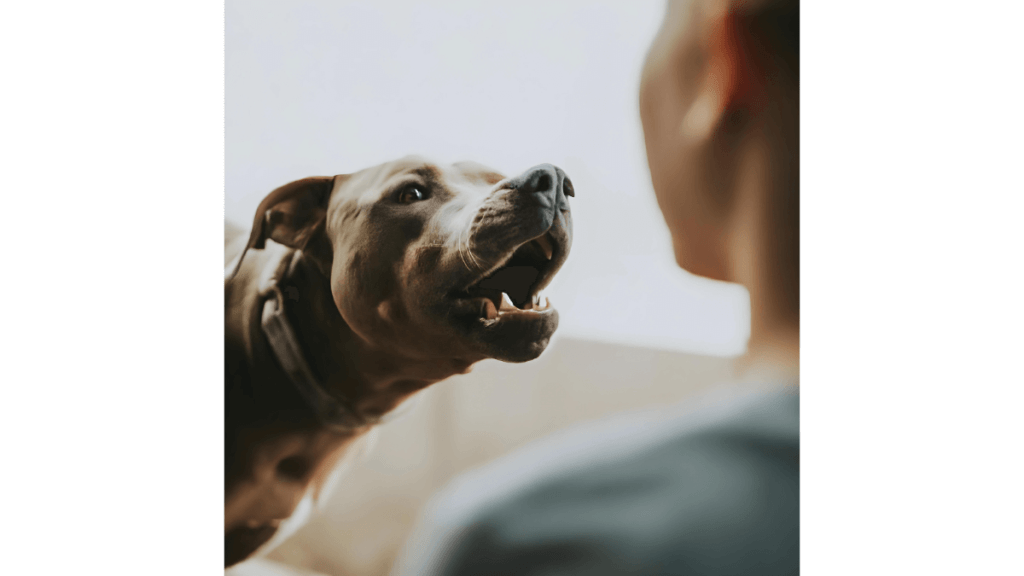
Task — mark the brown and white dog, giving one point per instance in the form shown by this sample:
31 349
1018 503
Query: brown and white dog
375 285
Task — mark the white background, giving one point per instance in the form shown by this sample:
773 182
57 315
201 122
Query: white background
333 87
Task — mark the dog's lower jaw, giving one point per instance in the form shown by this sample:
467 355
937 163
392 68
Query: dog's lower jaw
374 379
531 352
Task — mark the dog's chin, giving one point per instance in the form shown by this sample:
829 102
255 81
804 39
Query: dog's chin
514 338
521 341
519 352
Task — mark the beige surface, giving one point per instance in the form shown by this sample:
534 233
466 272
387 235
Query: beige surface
264 567
470 420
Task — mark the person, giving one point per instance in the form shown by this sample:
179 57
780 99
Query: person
713 490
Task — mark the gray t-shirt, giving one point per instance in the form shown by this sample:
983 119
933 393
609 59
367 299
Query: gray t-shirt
710 492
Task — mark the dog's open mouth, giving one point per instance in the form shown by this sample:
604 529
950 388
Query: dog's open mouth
514 287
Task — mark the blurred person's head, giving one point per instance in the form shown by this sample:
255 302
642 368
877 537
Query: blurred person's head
719 102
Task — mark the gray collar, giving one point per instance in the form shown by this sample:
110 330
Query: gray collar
335 413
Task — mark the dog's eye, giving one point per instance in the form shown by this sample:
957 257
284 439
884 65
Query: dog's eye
411 194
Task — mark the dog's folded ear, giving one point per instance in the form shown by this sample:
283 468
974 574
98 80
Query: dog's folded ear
290 215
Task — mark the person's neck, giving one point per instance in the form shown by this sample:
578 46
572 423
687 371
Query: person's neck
773 354
765 260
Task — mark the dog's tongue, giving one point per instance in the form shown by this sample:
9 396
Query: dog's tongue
490 312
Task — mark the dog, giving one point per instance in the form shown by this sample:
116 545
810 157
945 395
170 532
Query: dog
351 293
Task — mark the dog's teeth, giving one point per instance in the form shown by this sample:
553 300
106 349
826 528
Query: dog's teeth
490 312
545 244
506 303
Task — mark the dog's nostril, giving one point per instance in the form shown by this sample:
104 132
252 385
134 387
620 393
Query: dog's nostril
544 180
543 183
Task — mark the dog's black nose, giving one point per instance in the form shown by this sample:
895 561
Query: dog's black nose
539 179
545 180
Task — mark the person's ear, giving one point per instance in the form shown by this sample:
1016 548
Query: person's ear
290 215
728 80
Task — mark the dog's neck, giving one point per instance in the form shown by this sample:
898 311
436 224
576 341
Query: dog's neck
373 380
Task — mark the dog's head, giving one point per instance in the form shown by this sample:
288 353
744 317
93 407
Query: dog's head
433 261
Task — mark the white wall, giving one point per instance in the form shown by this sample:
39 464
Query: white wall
332 87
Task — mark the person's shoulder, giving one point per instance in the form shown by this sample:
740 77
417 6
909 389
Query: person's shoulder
682 462
718 418
686 483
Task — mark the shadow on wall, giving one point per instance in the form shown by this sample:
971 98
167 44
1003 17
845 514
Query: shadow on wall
470 420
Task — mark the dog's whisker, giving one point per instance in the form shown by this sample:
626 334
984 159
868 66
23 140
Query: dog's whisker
476 260
472 256
464 248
